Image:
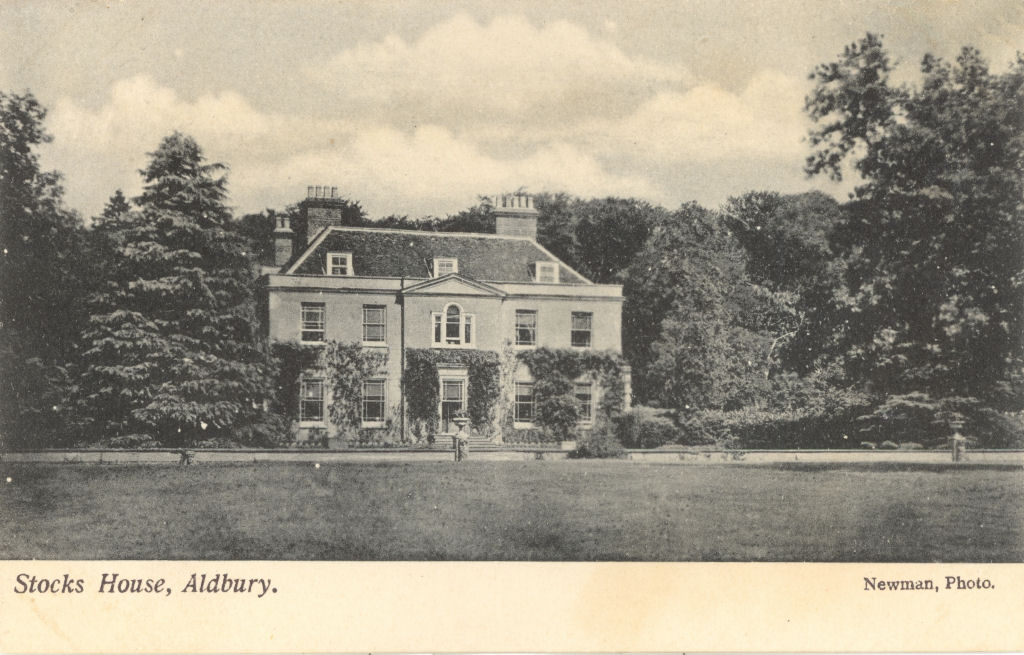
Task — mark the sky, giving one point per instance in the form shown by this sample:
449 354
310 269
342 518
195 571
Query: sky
419 108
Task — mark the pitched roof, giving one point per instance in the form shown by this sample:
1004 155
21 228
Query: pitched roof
409 253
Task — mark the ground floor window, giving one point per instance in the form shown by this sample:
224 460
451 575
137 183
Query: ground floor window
373 401
584 393
311 403
524 402
453 401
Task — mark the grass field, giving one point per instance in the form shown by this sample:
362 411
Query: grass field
570 510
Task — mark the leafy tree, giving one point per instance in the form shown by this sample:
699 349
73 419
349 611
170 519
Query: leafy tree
932 240
789 256
686 297
258 230
172 350
42 277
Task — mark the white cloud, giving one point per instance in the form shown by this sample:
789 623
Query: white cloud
459 73
433 171
707 123
273 157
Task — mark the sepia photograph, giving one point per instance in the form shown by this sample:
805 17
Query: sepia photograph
507 282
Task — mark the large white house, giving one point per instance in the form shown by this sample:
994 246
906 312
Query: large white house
399 291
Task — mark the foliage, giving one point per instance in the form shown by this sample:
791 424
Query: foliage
555 370
45 271
422 385
258 230
600 443
690 316
172 350
646 427
290 360
347 366
932 240
790 264
917 417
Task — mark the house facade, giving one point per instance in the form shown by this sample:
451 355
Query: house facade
471 307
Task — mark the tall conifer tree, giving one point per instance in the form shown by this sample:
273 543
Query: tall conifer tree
173 352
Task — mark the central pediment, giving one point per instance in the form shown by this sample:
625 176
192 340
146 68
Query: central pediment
452 284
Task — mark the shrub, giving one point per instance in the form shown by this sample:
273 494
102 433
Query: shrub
530 436
600 442
129 441
646 427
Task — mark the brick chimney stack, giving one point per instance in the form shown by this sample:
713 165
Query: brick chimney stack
515 215
282 241
322 207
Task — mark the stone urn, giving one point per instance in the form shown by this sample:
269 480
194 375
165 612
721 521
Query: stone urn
461 438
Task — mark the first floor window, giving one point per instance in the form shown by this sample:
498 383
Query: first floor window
524 402
373 401
313 321
526 327
373 324
582 322
453 327
584 401
311 400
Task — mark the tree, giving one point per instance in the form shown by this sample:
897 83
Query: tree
687 298
173 355
932 240
42 277
789 256
598 237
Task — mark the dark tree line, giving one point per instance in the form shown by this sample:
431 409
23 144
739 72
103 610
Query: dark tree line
899 313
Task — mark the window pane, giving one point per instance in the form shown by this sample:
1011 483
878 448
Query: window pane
373 324
526 327
469 329
311 404
453 325
373 401
546 272
312 320
581 320
584 401
580 336
437 328
339 265
524 402
451 390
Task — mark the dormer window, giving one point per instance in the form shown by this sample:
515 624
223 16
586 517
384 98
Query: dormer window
547 272
339 263
445 265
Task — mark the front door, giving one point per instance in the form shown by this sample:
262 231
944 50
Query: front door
453 401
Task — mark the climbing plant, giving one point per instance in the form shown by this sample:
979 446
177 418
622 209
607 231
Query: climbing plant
345 366
290 360
422 384
554 373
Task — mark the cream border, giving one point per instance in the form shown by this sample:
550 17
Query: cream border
522 607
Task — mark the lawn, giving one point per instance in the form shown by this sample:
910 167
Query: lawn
557 510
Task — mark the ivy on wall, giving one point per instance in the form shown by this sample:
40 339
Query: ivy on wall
422 385
347 365
344 365
491 383
290 360
554 373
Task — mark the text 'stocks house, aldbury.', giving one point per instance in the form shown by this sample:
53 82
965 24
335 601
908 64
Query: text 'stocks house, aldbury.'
392 333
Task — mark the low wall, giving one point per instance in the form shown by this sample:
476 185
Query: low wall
510 454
